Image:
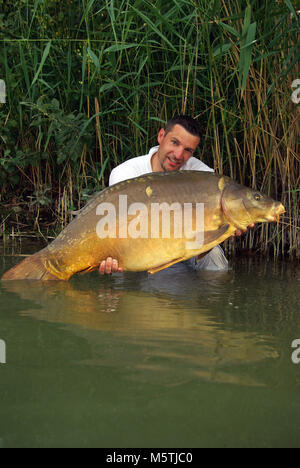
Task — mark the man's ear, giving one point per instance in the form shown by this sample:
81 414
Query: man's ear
161 135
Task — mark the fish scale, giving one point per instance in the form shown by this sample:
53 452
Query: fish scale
228 206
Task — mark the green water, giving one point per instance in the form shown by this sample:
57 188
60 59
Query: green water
180 359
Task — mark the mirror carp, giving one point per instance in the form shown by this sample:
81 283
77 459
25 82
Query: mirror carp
150 223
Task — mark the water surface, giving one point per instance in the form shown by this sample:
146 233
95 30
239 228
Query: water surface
178 359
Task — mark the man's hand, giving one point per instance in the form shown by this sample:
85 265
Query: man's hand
109 266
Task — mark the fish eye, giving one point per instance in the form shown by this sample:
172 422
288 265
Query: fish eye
257 197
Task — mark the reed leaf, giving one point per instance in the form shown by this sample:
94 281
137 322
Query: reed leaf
44 58
90 84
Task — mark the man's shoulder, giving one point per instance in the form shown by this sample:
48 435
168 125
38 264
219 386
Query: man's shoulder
133 162
194 164
129 169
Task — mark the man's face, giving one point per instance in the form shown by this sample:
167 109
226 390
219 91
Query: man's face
176 148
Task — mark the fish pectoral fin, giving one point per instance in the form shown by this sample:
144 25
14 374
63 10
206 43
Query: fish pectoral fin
88 270
209 238
167 265
212 236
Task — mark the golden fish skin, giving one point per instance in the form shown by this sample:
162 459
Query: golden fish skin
228 206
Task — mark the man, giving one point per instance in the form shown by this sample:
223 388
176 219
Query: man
178 142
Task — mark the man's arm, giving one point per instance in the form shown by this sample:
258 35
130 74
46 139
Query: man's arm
213 260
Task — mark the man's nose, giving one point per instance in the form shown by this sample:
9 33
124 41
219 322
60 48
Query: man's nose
179 153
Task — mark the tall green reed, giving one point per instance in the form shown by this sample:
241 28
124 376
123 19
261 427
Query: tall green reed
89 85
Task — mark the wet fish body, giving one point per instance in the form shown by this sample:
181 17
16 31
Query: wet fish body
228 206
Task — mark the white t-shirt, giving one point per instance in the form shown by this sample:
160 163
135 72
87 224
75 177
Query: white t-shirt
141 165
135 167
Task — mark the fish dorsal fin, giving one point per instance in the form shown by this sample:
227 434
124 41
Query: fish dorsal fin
90 203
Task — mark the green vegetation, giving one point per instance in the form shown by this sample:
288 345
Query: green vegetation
89 83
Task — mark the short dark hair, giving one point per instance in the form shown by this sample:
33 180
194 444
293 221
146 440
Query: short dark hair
188 123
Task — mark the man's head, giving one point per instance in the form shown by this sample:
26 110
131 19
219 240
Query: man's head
177 143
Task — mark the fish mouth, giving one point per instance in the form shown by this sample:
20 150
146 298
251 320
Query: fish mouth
277 211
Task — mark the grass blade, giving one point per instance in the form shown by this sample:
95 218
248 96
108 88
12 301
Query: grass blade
44 58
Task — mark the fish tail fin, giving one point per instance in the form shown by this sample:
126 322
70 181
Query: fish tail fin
31 268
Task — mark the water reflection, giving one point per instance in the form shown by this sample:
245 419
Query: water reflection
178 322
166 360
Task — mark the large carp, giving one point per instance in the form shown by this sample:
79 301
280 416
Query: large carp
118 223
